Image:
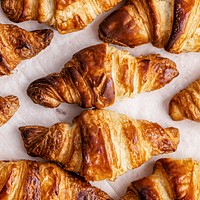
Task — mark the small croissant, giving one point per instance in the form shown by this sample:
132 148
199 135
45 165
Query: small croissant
172 179
16 45
172 24
8 106
65 15
186 104
100 144
98 75
33 180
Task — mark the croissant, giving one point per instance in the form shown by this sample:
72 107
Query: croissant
186 104
100 144
36 180
172 24
65 15
17 44
99 74
172 179
8 106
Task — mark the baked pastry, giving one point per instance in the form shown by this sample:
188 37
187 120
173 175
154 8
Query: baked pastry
8 106
172 24
16 45
65 15
186 104
100 144
36 180
172 179
98 75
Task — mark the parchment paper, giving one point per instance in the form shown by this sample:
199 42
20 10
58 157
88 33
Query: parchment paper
151 106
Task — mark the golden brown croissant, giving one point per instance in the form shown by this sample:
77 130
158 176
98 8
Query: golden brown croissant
35 180
65 15
8 106
172 24
99 74
186 104
17 44
100 144
172 179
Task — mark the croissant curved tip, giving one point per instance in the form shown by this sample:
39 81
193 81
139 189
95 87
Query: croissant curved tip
42 94
46 35
174 134
12 9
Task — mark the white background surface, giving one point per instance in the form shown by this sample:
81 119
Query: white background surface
151 106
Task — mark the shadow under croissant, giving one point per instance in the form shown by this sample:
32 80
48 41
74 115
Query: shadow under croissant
99 75
100 144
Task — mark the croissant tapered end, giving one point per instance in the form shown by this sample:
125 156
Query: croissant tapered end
30 133
161 70
186 104
8 106
43 91
17 12
43 36
13 9
173 139
120 28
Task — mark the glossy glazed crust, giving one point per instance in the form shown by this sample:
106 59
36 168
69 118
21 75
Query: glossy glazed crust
128 26
32 180
172 179
17 44
139 22
185 36
65 15
8 106
186 103
100 144
173 24
98 75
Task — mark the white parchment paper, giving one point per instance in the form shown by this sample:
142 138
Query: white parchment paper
151 106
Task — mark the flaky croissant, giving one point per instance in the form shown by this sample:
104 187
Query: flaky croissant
8 106
99 74
100 144
65 15
186 104
16 45
172 24
172 179
35 180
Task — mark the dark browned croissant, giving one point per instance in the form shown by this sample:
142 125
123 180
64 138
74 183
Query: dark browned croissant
100 144
186 104
17 44
65 15
32 180
99 75
171 180
8 106
172 24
